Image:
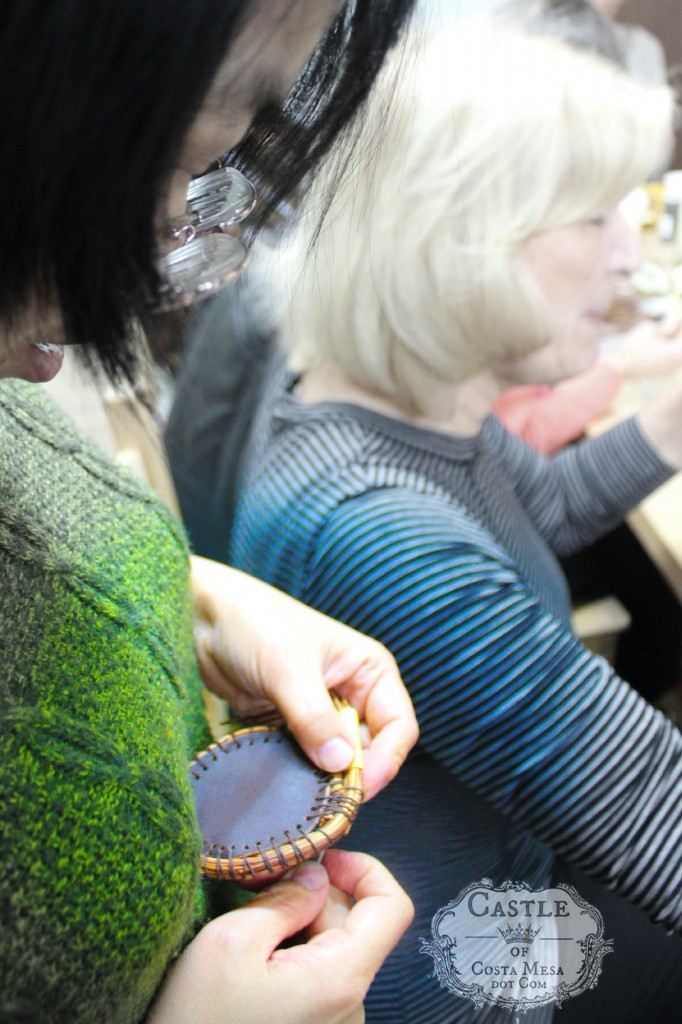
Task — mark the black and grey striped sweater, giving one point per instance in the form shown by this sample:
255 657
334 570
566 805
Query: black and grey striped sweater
445 549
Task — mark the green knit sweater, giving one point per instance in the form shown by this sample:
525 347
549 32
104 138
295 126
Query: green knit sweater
100 709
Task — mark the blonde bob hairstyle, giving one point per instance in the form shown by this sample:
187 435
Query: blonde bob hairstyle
475 140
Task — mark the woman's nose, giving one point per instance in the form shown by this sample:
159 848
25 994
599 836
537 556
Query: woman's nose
626 247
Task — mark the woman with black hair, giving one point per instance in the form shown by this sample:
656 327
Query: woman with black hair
108 112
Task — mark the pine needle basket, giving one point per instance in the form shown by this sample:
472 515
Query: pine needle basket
263 807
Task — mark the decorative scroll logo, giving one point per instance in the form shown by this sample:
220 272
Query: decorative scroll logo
517 947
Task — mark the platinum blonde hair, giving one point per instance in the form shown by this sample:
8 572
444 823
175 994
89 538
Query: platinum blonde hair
475 140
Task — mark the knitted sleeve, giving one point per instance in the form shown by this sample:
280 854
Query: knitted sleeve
100 711
99 883
507 699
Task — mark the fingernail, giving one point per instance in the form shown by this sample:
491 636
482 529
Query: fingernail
311 876
335 755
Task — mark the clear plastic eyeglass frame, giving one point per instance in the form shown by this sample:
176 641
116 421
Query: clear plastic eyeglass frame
208 257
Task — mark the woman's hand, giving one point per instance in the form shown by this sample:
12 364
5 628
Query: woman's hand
661 420
234 972
259 648
650 349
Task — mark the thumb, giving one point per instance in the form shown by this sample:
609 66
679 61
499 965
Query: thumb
282 910
307 707
203 984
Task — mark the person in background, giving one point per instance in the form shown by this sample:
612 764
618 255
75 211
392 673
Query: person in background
590 25
578 22
109 111
482 250
643 53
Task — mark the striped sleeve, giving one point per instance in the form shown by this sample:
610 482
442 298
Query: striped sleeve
577 495
507 699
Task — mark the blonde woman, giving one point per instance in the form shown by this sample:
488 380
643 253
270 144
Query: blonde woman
389 497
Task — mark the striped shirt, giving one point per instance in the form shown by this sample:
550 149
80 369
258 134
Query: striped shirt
444 548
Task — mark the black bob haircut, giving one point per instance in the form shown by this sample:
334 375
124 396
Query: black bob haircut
95 101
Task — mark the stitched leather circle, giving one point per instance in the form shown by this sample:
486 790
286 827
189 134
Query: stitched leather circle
256 789
262 806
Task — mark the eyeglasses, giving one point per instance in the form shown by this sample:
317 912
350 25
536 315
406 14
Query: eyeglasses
208 258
